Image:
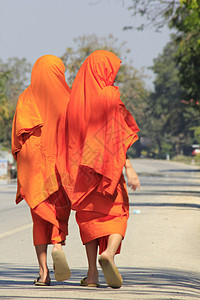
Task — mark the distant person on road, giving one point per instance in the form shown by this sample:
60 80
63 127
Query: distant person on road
38 145
100 130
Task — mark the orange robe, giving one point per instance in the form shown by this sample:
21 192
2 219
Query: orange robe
102 215
99 132
38 145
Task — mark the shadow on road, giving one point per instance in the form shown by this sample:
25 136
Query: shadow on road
181 170
165 282
167 193
172 183
139 281
154 204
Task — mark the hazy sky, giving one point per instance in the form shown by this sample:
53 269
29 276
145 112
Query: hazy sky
32 28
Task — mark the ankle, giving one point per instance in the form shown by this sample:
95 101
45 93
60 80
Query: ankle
92 276
44 273
92 271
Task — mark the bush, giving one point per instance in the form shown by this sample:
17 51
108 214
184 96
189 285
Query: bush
183 159
197 159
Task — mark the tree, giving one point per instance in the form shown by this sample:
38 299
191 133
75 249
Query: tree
14 76
18 77
197 134
187 57
156 13
169 120
3 96
183 16
4 107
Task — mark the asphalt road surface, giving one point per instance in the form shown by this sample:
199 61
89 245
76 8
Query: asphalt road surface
160 257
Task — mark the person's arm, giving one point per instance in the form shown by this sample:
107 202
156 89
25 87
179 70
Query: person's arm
132 177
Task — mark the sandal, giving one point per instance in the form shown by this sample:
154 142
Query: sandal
61 269
37 282
112 276
84 283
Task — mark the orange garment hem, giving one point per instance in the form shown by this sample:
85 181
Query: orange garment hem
50 219
101 228
102 215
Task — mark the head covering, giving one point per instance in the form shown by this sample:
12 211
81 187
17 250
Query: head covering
38 132
100 128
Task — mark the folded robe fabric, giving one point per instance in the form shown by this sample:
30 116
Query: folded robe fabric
100 129
50 219
102 215
38 132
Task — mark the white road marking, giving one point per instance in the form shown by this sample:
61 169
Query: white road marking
18 229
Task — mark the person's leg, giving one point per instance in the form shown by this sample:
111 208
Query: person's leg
91 251
106 260
46 230
40 236
41 251
61 268
114 242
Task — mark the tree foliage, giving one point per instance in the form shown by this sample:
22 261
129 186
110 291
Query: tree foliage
13 79
18 77
156 13
184 17
3 97
187 23
169 121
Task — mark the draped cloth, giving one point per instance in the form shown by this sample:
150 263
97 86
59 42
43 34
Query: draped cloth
50 219
38 135
99 132
100 129
102 215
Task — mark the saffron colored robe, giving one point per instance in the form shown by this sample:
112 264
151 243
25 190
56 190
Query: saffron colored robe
38 145
99 132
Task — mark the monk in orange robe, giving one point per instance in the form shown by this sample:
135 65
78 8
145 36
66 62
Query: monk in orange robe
38 145
99 132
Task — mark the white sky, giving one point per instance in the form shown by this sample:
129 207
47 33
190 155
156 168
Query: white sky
32 28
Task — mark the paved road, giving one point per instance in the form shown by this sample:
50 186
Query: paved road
160 257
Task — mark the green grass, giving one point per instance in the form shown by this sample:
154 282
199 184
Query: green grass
190 160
